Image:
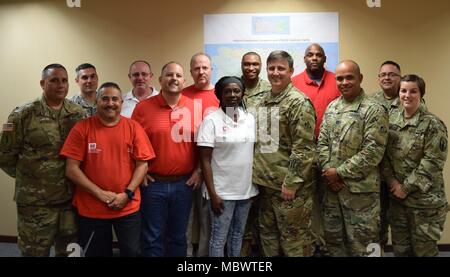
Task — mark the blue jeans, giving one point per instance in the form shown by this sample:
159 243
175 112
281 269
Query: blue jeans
229 228
165 208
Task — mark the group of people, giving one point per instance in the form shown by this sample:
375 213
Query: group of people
293 166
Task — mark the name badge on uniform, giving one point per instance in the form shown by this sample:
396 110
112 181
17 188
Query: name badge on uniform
92 148
8 127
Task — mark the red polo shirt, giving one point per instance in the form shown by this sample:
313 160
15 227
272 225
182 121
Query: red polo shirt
171 132
205 100
320 95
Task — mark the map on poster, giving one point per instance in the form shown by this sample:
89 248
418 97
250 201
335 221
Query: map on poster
228 36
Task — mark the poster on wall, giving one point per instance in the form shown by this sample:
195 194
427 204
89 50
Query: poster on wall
228 36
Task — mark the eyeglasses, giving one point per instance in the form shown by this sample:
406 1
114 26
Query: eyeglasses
390 75
143 74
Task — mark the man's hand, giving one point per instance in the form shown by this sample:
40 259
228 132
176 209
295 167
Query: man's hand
147 180
334 182
287 194
119 202
106 197
195 180
396 189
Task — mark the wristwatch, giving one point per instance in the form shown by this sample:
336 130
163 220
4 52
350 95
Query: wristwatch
129 193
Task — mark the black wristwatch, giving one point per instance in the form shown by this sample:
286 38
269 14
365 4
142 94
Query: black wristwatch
129 193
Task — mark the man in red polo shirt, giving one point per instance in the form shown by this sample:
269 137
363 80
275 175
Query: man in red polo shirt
316 82
168 120
202 92
319 85
107 158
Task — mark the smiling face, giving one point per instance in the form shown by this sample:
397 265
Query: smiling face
109 104
389 79
172 79
251 66
231 95
140 76
348 80
279 74
55 85
410 96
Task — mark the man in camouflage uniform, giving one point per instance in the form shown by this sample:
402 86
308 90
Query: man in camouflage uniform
283 161
351 144
389 81
29 152
87 80
255 87
413 169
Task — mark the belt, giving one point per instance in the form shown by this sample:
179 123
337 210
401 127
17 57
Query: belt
167 178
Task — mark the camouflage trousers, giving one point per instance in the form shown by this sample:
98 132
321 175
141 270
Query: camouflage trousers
41 227
317 217
384 223
351 222
415 232
285 226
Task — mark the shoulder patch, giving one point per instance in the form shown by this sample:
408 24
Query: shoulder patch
8 127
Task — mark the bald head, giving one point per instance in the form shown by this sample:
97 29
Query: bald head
348 79
315 61
316 46
350 64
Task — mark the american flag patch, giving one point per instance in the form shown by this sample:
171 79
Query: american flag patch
8 127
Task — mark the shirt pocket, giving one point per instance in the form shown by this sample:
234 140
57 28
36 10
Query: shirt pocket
415 151
351 138
37 138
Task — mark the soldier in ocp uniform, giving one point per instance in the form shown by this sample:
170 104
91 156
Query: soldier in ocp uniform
255 89
29 152
413 166
389 80
283 161
351 144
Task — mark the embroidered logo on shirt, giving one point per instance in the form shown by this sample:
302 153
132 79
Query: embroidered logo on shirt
92 148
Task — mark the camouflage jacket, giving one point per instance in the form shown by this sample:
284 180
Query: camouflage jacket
385 102
29 151
285 147
352 139
90 108
254 95
415 156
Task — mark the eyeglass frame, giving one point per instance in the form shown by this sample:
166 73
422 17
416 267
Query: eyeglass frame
388 74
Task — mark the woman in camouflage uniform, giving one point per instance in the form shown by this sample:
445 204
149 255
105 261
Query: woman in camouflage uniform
413 166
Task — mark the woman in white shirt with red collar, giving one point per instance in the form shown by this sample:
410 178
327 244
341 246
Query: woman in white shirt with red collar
226 140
